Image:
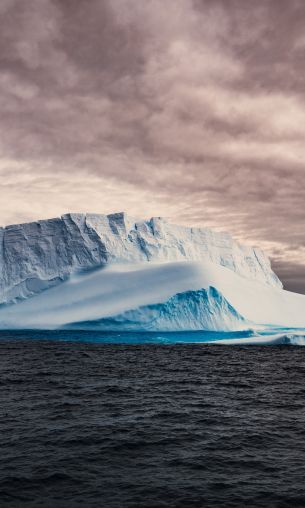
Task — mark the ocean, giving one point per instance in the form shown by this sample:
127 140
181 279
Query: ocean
89 421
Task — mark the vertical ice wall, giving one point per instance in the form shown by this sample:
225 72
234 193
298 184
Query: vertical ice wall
34 256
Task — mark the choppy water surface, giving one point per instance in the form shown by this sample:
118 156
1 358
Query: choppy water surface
150 425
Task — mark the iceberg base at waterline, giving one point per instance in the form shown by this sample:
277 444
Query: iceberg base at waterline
243 338
266 337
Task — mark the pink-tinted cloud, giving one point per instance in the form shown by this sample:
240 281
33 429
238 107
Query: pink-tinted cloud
193 109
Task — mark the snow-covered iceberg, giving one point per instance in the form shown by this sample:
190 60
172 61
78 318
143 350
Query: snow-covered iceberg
113 272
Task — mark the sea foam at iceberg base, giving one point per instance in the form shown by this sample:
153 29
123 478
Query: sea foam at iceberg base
113 273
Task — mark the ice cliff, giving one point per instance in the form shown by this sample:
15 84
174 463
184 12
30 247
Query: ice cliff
39 255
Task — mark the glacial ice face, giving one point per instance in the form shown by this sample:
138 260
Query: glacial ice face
38 255
205 309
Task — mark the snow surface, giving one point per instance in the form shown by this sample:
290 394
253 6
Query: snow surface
118 288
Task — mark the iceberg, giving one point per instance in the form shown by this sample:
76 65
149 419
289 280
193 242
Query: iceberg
113 272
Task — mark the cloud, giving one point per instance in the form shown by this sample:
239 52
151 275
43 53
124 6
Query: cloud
193 109
292 274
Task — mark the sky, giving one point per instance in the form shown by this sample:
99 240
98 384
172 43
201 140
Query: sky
189 109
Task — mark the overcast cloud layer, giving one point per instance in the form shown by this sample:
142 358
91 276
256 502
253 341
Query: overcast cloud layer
191 109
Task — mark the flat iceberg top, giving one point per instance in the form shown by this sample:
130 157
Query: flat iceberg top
39 255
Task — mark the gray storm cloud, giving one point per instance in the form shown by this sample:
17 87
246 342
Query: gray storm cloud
192 109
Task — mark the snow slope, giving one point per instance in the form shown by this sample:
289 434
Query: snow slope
204 309
129 288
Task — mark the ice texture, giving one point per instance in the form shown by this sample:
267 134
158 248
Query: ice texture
39 255
204 309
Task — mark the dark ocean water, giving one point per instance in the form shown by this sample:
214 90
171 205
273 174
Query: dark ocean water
150 425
